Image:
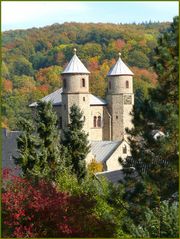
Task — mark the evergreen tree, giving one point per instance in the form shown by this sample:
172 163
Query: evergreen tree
41 154
28 145
152 170
76 142
161 222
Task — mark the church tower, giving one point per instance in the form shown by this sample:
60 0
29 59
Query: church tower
75 79
120 99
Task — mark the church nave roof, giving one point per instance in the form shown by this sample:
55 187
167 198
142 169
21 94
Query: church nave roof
56 99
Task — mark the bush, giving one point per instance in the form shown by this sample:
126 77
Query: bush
38 209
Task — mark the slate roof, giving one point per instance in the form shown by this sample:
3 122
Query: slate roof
102 150
120 68
114 176
94 100
56 99
9 148
75 66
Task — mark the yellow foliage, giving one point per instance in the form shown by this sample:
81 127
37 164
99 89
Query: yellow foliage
95 167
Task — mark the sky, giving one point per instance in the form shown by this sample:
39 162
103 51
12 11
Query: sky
23 15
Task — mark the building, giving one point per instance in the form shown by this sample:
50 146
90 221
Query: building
105 121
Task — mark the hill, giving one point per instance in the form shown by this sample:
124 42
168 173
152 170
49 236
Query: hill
33 59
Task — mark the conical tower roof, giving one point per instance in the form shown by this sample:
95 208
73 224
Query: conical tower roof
120 68
75 66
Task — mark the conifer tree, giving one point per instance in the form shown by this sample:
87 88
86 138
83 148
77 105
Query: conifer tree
41 154
160 222
152 170
76 142
28 145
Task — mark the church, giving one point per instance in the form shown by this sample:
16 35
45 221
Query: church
105 121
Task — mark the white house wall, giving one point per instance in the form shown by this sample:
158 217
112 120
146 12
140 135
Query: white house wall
113 163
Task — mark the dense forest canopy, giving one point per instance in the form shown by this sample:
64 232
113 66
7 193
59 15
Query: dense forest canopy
33 59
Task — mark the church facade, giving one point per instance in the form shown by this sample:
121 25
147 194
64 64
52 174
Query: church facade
105 121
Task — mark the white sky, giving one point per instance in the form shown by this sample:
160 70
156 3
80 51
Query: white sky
35 14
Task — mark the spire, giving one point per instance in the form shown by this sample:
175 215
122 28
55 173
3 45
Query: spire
75 66
75 51
120 68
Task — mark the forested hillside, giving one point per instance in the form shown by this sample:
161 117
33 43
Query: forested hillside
33 59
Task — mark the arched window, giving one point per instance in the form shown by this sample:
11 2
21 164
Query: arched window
94 122
84 98
110 85
84 118
99 122
127 84
64 83
124 149
83 82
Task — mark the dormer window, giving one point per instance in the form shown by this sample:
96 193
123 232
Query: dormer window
64 83
127 84
83 82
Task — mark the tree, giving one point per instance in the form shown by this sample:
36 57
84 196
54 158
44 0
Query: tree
76 142
41 154
94 166
152 170
49 76
39 209
160 222
138 58
22 67
28 145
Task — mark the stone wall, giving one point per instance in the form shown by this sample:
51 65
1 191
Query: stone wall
74 83
115 106
83 102
96 132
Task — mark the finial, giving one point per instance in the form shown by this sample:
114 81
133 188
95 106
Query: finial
75 51
119 54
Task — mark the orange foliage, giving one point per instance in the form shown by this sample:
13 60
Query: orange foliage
142 42
146 74
43 89
120 44
25 90
93 63
7 85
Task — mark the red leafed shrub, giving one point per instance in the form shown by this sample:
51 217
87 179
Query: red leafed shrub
37 209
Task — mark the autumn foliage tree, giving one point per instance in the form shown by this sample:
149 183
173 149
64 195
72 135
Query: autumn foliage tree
37 56
94 166
40 210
